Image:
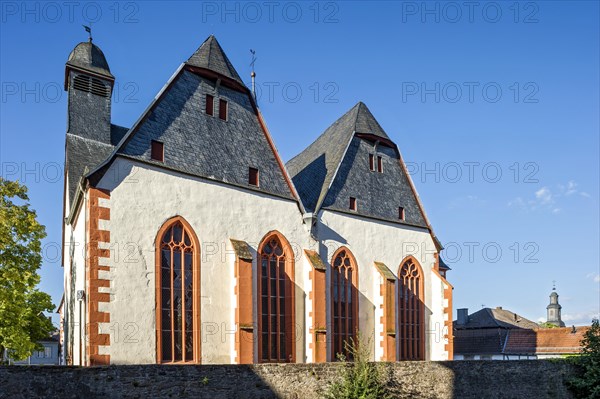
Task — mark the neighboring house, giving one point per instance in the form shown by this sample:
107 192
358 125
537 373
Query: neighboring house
48 355
544 343
499 334
483 335
187 239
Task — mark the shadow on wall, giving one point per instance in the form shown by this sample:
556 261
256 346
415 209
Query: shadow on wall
537 379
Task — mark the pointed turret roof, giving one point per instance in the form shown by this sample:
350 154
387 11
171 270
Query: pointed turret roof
210 55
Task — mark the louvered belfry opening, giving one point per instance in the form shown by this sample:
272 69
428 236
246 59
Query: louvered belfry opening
275 305
344 301
411 312
177 313
91 85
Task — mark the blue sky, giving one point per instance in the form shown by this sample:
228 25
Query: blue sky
494 108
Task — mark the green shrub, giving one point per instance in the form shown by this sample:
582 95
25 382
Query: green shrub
359 378
586 384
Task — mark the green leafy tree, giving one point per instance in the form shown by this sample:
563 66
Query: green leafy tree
360 379
22 322
587 382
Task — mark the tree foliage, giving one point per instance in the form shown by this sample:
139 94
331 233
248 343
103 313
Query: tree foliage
587 382
360 379
22 323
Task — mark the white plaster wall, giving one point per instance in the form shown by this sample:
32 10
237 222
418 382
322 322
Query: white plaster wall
142 199
76 253
370 241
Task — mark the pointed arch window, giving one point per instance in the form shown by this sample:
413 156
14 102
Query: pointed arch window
177 297
344 301
411 312
276 307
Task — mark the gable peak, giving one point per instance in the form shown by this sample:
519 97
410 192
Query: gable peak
210 55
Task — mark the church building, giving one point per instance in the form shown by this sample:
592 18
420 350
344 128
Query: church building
186 239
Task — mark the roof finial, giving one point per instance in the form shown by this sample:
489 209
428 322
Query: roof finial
253 75
88 29
553 285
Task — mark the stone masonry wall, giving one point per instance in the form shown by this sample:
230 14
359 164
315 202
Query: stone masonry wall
440 380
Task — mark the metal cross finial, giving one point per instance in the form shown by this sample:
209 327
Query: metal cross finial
88 29
253 58
553 285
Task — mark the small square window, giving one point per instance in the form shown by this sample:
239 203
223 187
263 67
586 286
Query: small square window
223 109
253 176
157 151
353 204
372 162
210 105
379 164
401 213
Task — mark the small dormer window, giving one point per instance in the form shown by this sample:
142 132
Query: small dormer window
253 177
223 110
379 164
157 151
353 204
372 162
401 214
210 105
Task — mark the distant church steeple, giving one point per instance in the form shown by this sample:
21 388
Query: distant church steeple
553 310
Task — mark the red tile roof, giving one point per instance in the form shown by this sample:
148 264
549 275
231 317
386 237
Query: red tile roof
545 341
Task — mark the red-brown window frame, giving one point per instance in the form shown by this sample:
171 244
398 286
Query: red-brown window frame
379 164
254 177
157 150
210 105
411 332
223 111
372 162
353 204
401 213
354 308
289 270
197 347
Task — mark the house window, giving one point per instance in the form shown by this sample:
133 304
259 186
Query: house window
401 213
344 302
178 294
275 307
352 204
157 151
253 177
372 162
411 312
47 352
223 109
379 164
210 105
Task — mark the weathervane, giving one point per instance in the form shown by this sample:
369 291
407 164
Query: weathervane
88 29
253 75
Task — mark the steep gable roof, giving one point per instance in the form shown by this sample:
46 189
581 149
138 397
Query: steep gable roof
210 55
335 167
203 145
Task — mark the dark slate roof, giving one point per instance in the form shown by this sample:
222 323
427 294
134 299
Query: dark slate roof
88 56
82 156
206 146
336 166
480 341
210 55
443 265
117 133
496 318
